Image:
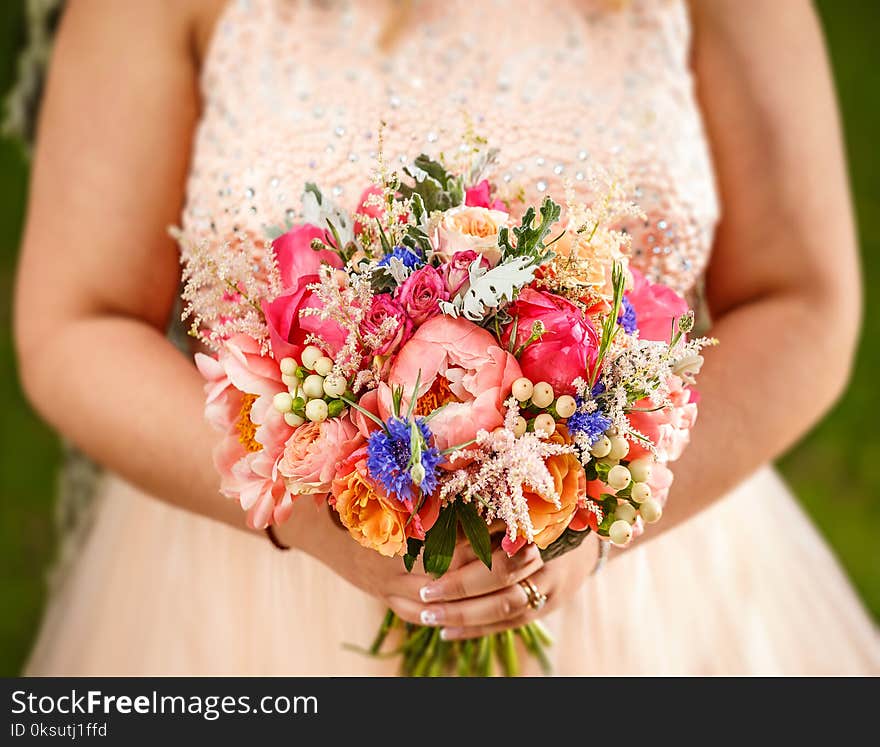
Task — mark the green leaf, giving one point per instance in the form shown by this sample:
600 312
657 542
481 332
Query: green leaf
476 531
413 548
440 542
529 239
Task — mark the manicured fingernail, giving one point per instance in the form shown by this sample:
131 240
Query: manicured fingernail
430 593
449 634
430 617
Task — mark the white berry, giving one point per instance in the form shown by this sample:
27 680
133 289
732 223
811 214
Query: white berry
310 356
290 381
316 410
566 406
288 366
626 512
618 477
282 402
651 510
545 424
641 492
619 448
620 532
542 394
323 366
293 420
334 386
522 389
520 427
313 386
641 469
601 448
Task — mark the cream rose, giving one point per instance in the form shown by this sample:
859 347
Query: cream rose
471 228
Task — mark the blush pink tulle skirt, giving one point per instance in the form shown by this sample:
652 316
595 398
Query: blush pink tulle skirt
156 591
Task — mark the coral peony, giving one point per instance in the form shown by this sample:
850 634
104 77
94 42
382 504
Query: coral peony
458 365
313 453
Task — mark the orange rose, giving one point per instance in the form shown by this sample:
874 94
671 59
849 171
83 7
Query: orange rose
371 517
571 485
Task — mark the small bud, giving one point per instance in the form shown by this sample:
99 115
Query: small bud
335 408
686 322
417 473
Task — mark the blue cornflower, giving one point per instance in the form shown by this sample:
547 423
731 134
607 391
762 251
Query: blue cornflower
627 318
409 258
388 453
592 424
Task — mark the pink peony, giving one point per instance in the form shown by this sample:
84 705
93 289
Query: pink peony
313 453
656 307
480 195
458 365
567 349
295 256
456 272
240 386
421 293
384 307
288 329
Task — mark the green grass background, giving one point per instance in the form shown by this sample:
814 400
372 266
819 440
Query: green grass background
835 471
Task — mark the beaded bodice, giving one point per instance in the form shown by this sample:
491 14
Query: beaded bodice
295 91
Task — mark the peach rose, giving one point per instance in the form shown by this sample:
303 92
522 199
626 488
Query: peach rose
471 228
313 453
371 517
597 259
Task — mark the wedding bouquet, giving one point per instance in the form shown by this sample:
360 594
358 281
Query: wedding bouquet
435 371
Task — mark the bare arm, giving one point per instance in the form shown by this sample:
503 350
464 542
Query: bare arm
783 284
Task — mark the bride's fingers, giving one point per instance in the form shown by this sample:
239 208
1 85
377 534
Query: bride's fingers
457 632
500 606
474 579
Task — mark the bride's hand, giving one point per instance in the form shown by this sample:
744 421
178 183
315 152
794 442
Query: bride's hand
314 531
472 601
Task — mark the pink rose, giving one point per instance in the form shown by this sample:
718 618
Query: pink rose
421 294
656 307
480 195
459 365
567 349
456 272
390 335
313 453
295 256
288 328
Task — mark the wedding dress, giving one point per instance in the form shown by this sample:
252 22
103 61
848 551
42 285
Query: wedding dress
295 92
